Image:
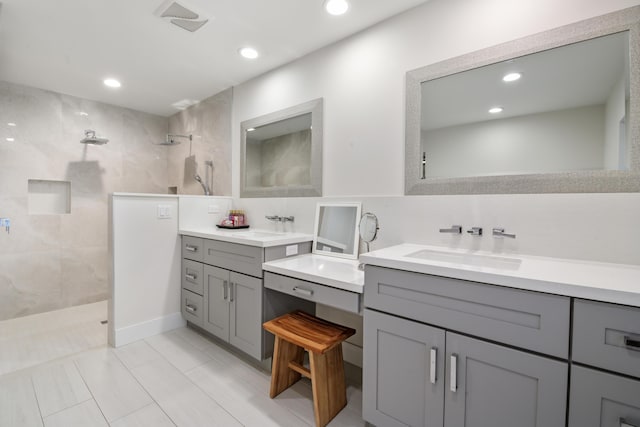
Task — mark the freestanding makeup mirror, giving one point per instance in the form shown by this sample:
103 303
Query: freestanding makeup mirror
336 230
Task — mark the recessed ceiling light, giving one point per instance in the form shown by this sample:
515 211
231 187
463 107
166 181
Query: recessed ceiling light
248 52
511 77
11 139
11 124
495 110
112 83
336 7
251 129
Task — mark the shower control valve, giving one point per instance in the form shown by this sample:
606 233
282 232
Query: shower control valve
475 231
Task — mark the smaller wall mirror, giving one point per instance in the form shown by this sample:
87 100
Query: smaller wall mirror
282 153
336 229
368 228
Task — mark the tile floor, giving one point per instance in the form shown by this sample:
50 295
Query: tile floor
178 378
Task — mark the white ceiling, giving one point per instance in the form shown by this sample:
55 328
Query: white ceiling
70 46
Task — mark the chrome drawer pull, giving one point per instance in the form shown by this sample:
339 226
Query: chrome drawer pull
453 380
624 423
231 284
432 365
225 287
191 308
191 276
191 248
629 342
302 291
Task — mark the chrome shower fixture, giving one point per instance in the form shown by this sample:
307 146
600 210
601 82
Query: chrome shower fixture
91 138
172 139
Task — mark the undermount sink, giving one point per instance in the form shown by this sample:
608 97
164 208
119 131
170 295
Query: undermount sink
475 260
255 234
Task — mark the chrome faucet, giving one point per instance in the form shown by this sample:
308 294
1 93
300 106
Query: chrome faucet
279 218
456 229
499 232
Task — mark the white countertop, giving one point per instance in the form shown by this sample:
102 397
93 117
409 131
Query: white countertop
330 271
617 283
247 236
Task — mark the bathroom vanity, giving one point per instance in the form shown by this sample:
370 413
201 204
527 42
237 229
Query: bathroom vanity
455 338
222 284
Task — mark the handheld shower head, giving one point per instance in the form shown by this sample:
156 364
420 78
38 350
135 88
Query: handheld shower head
91 138
173 139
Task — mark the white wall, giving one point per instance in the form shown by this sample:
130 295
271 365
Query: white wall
362 82
555 141
145 271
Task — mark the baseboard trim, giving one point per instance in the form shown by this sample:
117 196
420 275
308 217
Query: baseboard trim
147 329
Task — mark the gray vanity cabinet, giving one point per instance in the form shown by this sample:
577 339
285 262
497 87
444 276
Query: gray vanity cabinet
489 385
404 366
494 375
600 399
222 291
233 308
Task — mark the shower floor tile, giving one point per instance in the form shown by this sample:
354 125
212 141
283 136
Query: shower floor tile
32 340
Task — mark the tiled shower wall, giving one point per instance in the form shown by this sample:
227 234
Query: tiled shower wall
209 122
53 261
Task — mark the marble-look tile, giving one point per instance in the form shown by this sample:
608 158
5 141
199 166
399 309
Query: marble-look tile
47 146
84 275
245 397
177 351
148 416
86 414
59 387
18 404
180 399
136 354
114 388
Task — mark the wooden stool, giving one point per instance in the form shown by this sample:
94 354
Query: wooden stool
296 332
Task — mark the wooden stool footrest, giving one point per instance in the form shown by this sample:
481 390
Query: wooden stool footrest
300 369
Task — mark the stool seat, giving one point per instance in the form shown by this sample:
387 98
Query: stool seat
296 332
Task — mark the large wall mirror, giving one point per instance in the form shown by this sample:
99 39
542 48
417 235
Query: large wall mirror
282 153
551 113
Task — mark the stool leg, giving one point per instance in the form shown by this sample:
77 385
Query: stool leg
281 376
327 381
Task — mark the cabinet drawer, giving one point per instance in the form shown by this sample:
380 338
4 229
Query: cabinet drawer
530 320
599 399
607 336
192 307
192 248
345 300
192 273
241 258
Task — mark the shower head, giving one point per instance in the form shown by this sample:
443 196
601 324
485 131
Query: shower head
91 138
172 139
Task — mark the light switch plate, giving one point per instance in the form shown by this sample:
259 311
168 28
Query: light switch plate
291 250
164 211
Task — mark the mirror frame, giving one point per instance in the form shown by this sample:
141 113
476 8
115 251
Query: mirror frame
598 181
314 188
356 231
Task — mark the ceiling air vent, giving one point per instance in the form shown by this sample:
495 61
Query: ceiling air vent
178 14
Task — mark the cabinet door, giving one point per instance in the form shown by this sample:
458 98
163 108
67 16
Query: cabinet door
216 301
598 399
245 296
489 385
399 386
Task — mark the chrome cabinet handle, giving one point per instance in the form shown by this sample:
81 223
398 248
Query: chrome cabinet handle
303 291
624 423
191 276
231 285
432 365
630 342
191 308
453 379
191 248
225 286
